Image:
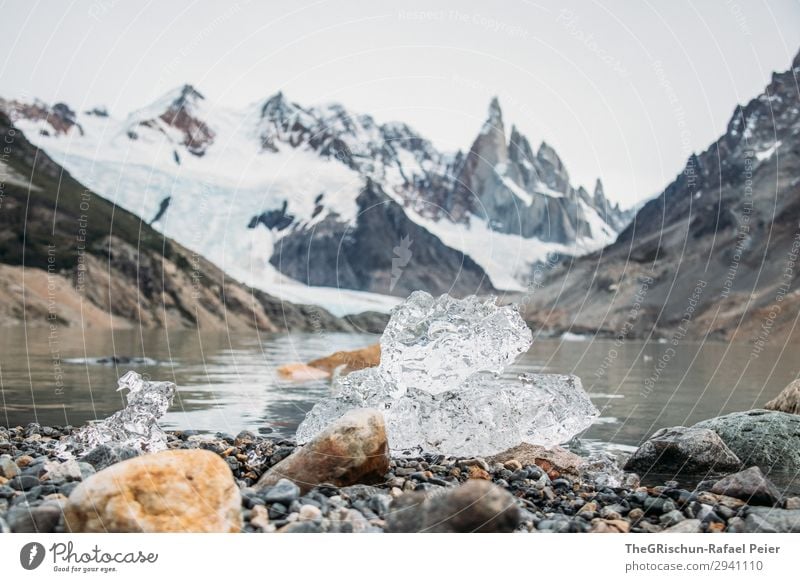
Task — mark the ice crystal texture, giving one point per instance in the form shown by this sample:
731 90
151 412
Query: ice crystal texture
602 470
440 389
134 426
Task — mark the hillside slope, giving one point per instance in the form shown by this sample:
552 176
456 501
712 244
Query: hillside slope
70 257
715 255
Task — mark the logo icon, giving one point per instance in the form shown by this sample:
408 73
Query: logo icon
31 555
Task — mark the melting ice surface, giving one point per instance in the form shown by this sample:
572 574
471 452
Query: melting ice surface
439 385
136 425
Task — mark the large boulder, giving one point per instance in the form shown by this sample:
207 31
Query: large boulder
476 506
788 400
749 485
677 450
170 491
352 450
765 438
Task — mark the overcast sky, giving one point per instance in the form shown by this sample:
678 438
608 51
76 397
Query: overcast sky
623 89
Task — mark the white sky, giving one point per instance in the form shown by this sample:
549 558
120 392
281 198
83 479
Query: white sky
623 89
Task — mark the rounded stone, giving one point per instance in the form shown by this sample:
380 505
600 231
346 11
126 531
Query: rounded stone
170 491
765 438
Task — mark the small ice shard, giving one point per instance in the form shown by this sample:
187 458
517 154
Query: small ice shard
440 389
136 425
602 470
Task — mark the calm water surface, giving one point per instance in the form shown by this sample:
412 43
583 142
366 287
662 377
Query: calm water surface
227 382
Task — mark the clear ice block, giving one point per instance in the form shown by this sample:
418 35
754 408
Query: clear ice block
134 426
440 389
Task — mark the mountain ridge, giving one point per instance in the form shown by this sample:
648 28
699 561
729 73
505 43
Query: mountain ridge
80 261
714 255
301 170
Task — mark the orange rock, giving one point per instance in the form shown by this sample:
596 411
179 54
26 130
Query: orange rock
302 372
353 360
351 450
322 368
788 400
610 526
171 491
476 472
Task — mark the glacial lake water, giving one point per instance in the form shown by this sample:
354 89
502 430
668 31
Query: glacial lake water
228 382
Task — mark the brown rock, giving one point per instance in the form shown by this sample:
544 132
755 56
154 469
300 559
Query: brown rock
610 526
687 526
554 461
788 400
512 465
476 472
170 491
24 461
475 506
749 485
348 361
351 450
302 372
353 360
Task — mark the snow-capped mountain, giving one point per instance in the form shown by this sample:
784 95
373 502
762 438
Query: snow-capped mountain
322 205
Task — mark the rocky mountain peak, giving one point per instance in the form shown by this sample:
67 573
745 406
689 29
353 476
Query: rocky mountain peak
59 119
179 116
554 172
188 96
599 194
519 148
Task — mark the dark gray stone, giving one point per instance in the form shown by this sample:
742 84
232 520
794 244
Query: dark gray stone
683 450
283 492
765 438
476 506
23 482
749 485
772 520
103 456
301 527
43 518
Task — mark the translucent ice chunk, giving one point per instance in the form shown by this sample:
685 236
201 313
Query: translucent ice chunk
602 470
439 387
435 344
135 426
485 416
